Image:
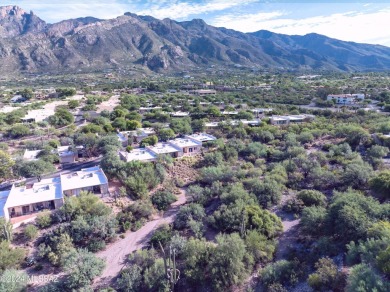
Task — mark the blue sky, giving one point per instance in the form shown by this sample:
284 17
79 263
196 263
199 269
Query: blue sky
358 21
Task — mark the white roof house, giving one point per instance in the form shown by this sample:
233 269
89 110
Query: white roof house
64 151
31 155
345 98
201 137
185 142
278 120
17 98
164 148
229 113
251 122
147 109
189 145
38 115
180 114
66 155
146 131
211 124
44 191
49 193
139 134
141 154
260 111
122 137
87 177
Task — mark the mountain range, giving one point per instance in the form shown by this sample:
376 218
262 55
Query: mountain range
30 45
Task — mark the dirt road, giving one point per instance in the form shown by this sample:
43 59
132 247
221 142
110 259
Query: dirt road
116 254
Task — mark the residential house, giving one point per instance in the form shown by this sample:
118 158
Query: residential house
203 92
227 113
90 179
346 99
251 123
188 146
30 199
166 148
290 119
66 155
31 155
136 136
37 115
49 193
260 112
140 154
179 114
17 98
201 137
148 109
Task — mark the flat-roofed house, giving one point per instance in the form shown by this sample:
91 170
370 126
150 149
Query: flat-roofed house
290 119
123 138
279 120
90 179
203 92
201 137
37 115
148 109
139 154
229 113
346 98
66 155
136 135
260 112
26 200
31 155
17 98
179 114
49 193
188 146
166 148
142 133
251 122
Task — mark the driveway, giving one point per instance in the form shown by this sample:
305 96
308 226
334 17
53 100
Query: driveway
116 254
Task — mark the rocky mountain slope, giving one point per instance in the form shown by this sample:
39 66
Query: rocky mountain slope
28 44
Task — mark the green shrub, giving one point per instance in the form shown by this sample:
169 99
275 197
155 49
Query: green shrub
163 200
31 232
312 198
280 272
163 234
43 220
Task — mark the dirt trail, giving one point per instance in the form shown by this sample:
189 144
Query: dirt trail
116 254
288 237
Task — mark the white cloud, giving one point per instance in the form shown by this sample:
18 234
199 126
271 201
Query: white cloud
247 22
350 26
55 10
181 10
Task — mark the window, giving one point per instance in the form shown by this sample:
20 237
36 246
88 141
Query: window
190 149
